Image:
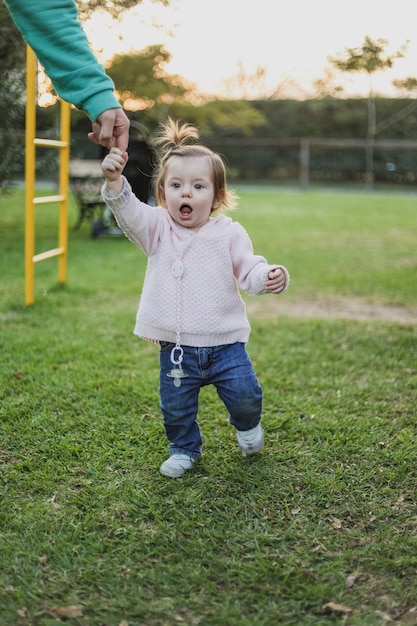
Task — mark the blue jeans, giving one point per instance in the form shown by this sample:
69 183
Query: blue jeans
229 369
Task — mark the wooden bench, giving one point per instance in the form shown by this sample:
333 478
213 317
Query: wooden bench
86 180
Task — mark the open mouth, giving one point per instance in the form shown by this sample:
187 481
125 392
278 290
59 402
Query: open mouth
185 210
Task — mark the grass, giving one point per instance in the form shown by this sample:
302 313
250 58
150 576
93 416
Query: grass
91 534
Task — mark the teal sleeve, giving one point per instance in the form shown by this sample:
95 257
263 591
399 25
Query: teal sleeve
52 29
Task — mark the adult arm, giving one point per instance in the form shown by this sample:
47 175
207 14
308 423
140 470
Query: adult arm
52 29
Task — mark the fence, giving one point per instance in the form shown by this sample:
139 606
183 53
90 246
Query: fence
296 161
305 161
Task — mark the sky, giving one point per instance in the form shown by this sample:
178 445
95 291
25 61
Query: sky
210 39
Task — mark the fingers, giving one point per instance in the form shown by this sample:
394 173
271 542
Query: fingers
102 133
113 131
276 281
106 129
92 136
114 162
121 130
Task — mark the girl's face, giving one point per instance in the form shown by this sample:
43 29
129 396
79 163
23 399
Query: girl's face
188 191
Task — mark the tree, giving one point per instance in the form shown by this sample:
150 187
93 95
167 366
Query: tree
142 80
368 58
222 119
12 89
114 7
246 85
408 84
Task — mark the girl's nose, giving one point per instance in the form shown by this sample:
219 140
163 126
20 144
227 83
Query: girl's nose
186 192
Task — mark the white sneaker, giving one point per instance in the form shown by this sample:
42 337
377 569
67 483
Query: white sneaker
251 441
176 465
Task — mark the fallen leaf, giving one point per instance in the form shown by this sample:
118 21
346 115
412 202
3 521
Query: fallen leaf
384 616
397 505
295 511
77 470
23 612
337 608
409 617
336 523
350 581
73 610
124 622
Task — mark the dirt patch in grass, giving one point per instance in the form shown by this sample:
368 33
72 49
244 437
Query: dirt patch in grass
329 308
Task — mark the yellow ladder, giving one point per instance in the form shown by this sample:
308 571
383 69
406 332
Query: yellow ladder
31 202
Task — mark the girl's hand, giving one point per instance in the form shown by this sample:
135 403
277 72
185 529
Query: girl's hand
277 281
113 165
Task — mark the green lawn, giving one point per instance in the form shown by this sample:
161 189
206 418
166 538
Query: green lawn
321 528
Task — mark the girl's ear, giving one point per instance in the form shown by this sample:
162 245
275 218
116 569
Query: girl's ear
162 197
216 203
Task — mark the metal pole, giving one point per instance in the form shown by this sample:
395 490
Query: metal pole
30 175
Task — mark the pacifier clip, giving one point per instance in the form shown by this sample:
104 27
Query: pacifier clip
177 352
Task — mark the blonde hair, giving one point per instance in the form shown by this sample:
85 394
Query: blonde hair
182 140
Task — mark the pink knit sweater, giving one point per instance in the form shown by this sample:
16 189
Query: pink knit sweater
192 282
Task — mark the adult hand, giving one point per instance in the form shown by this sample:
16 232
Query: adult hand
111 129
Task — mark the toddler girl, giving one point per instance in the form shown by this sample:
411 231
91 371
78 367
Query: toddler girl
190 305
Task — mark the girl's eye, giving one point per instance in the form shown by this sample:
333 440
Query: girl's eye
199 186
